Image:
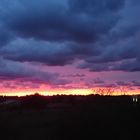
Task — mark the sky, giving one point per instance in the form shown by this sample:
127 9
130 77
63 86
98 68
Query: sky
69 46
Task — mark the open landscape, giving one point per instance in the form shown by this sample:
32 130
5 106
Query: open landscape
69 69
69 117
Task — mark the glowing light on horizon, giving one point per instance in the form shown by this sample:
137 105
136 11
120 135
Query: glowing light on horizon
52 92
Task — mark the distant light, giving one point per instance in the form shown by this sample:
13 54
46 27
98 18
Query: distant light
135 99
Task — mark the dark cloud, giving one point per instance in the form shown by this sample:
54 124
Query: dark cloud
123 83
103 34
131 66
98 81
97 67
5 36
51 20
10 70
96 7
74 75
136 83
129 84
45 52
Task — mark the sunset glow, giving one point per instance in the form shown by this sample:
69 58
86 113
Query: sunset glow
65 92
69 47
69 69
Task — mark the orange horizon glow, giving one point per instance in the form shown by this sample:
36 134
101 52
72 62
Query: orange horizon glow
52 92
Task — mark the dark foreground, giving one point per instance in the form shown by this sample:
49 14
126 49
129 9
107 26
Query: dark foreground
69 118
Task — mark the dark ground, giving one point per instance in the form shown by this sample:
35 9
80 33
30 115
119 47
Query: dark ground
70 118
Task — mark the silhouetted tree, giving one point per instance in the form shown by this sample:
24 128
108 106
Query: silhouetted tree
123 90
104 91
109 91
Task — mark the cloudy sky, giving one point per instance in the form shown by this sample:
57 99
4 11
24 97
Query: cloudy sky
70 45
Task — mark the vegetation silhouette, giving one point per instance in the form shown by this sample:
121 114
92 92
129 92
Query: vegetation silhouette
70 117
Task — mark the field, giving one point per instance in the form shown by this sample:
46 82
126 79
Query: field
69 118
